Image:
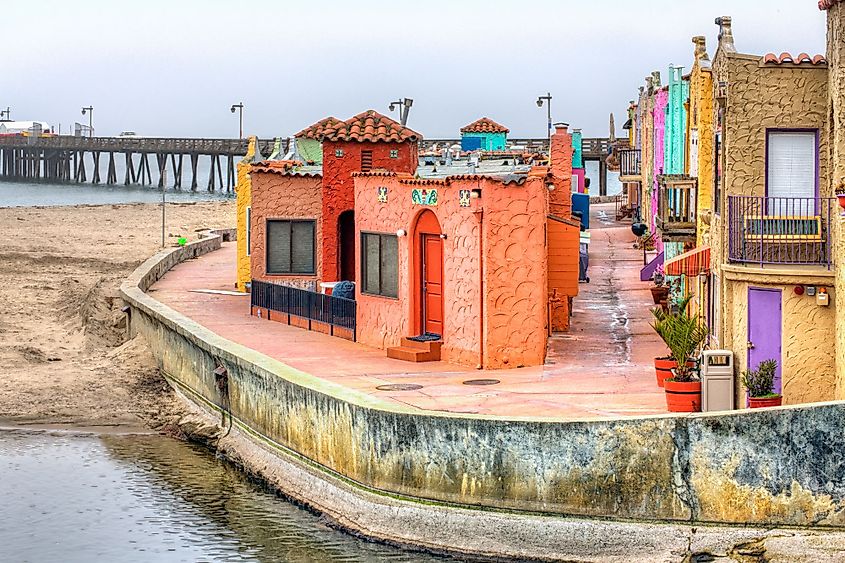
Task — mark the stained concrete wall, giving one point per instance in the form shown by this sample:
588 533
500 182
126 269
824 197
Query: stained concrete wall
775 467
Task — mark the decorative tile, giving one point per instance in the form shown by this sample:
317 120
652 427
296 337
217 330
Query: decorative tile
464 197
424 196
382 194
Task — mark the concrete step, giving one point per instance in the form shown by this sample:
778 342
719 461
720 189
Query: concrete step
429 346
410 354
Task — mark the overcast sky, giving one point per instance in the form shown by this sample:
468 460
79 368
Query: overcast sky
173 68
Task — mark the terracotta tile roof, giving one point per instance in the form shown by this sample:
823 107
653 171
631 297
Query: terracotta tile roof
370 126
316 130
827 4
484 125
505 179
803 58
274 166
381 173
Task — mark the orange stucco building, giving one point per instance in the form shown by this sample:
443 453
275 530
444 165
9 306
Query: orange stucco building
484 265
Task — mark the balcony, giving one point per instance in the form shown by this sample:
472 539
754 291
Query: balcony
676 207
781 230
629 165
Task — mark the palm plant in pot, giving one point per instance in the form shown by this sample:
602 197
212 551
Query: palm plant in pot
760 384
663 365
684 334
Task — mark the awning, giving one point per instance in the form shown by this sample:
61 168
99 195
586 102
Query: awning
690 263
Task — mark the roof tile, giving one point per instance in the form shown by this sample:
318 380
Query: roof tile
316 130
370 126
827 4
484 125
801 59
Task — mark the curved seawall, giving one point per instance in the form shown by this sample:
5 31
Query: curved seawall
778 467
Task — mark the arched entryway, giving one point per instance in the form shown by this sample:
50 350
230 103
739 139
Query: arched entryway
346 246
427 275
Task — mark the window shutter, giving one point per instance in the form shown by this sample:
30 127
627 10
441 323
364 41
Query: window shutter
302 247
371 263
791 171
278 247
366 161
389 265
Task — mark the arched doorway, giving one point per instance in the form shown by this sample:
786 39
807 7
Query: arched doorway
427 275
346 246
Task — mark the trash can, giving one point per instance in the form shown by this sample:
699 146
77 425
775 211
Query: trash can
717 380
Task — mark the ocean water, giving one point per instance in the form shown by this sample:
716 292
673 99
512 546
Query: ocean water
26 194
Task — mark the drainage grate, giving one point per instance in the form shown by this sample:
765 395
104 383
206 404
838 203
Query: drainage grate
399 387
481 382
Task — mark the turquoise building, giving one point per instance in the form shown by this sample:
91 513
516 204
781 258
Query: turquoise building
484 134
674 140
577 149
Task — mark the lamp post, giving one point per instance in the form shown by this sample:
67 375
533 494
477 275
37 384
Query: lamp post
548 99
404 106
240 108
6 114
90 111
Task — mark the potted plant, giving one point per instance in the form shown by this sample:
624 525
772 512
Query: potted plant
663 365
684 334
840 195
659 291
760 384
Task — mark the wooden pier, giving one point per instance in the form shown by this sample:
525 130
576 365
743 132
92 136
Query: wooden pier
95 159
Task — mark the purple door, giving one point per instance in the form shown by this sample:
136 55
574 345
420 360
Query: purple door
764 329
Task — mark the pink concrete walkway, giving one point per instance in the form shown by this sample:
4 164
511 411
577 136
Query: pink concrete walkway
602 368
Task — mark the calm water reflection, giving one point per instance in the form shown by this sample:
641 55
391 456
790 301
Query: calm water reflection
151 498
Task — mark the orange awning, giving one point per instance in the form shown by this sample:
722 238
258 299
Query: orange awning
689 263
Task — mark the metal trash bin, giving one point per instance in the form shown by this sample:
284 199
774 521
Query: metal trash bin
717 380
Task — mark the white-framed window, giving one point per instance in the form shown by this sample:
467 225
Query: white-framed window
248 231
792 160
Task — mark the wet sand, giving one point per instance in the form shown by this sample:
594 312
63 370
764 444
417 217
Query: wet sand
63 354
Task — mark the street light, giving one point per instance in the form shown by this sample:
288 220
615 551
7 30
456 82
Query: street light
548 99
6 114
404 106
240 108
90 111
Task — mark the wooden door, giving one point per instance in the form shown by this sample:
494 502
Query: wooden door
432 284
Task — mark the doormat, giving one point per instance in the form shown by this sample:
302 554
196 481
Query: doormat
425 337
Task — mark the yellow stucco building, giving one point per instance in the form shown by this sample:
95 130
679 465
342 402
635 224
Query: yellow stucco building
243 190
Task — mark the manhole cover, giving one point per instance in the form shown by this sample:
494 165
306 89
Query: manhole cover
481 382
399 387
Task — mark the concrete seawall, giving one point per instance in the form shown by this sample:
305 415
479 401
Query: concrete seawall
779 467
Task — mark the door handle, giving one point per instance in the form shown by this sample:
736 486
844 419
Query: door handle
750 345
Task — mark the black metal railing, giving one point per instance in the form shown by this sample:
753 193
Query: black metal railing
307 305
629 162
781 230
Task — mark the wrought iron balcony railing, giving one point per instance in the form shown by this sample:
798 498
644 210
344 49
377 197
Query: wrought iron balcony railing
781 230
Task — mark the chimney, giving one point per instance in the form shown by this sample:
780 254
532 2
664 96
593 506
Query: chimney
655 79
649 85
726 36
700 47
560 167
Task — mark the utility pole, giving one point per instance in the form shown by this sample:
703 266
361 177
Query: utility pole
90 111
404 106
240 108
548 99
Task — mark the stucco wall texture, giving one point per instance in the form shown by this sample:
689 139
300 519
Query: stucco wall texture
338 186
759 98
701 118
511 278
661 100
243 197
278 195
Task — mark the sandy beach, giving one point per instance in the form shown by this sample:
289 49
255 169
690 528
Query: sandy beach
63 353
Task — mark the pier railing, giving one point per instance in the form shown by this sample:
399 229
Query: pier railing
307 309
235 147
781 230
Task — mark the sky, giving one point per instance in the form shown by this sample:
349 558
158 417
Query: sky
174 68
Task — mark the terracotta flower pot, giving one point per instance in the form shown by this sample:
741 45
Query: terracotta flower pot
683 396
663 367
763 402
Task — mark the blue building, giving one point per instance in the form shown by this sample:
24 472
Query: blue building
484 134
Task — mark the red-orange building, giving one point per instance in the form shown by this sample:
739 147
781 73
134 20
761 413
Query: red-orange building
485 264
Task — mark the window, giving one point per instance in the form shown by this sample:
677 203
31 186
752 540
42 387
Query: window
791 160
717 163
394 153
379 264
290 247
366 161
248 231
338 153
